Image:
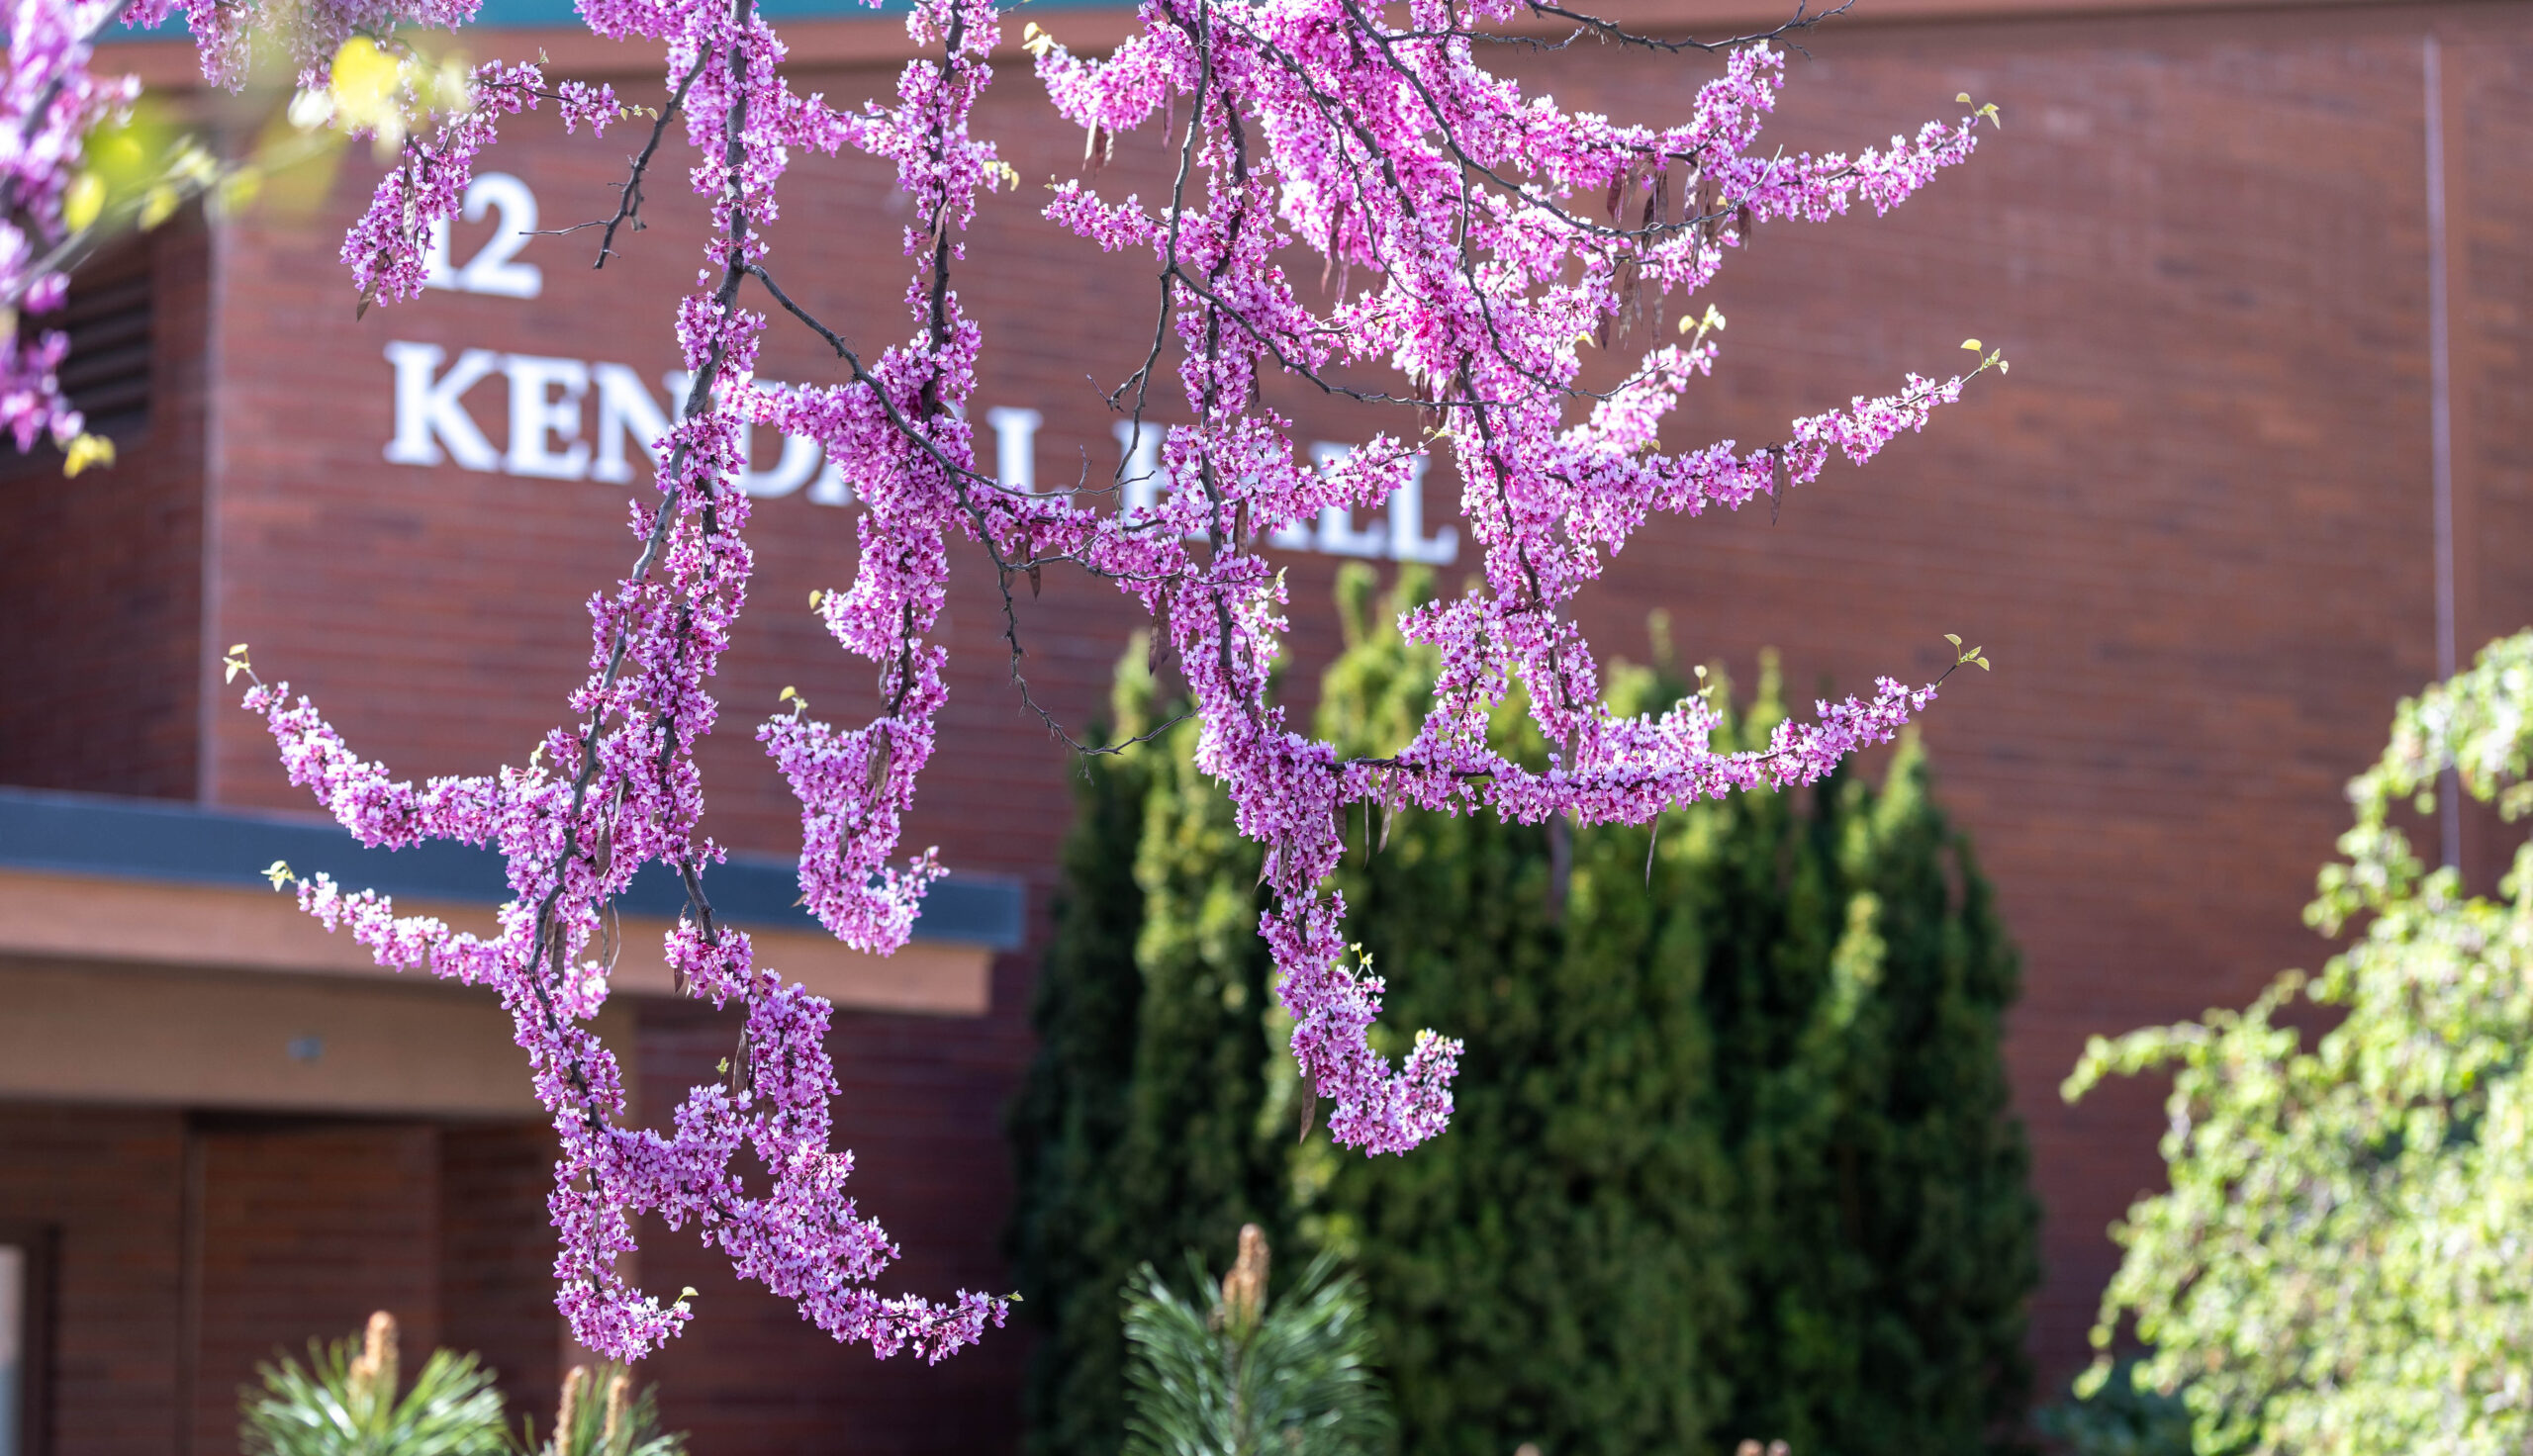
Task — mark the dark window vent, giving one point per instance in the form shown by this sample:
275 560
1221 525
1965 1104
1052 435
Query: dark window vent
108 316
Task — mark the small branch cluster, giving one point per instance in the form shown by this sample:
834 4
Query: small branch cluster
1504 238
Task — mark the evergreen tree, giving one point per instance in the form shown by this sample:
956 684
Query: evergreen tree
1069 1120
1236 1371
1555 1268
1886 1224
1138 1132
1731 1154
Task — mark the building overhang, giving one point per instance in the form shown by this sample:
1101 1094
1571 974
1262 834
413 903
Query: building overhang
146 958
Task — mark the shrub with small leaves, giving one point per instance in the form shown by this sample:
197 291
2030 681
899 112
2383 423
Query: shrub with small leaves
343 1403
2338 1265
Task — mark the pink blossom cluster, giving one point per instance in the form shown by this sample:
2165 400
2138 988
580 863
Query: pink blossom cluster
387 248
302 33
618 788
48 105
1486 245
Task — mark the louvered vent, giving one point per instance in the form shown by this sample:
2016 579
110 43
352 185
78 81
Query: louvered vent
108 318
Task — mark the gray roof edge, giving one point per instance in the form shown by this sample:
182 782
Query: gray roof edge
171 841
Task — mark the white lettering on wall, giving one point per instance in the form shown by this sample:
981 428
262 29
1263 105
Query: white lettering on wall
1337 533
1407 538
540 419
1399 537
625 412
1295 535
493 269
800 459
1141 444
1332 532
830 488
1015 447
427 413
549 399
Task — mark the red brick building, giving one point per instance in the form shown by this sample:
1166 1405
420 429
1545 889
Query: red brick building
2266 274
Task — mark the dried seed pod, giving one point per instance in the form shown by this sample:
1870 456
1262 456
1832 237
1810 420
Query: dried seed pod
881 752
373 1371
1244 1296
569 1407
616 1391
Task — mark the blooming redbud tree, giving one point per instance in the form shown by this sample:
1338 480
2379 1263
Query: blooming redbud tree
1495 236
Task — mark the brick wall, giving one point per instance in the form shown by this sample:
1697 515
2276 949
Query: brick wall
103 589
497 1258
921 1107
110 1185
306 1227
189 1251
2191 527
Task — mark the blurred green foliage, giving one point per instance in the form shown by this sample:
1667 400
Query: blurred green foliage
343 1403
2119 1414
1731 1154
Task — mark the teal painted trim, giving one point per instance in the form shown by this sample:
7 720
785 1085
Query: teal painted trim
171 842
554 14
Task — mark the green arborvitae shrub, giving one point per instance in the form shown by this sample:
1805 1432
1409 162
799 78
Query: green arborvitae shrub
1138 1132
1731 1155
1555 1268
1887 1228
1069 1120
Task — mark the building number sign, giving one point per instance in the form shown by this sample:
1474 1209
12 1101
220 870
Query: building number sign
551 402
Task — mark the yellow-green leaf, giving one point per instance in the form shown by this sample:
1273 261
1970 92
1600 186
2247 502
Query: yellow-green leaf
238 191
364 76
83 202
85 451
